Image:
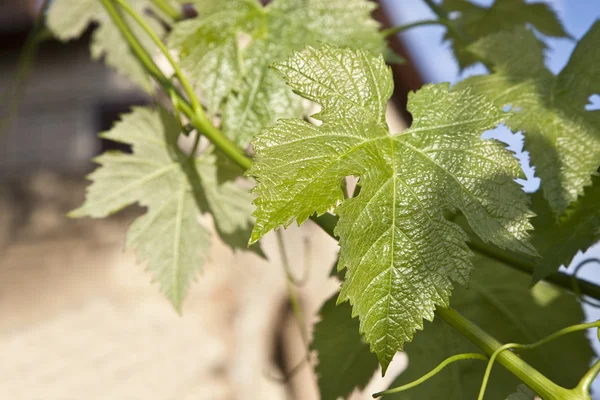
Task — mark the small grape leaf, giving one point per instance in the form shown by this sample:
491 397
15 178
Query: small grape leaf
499 300
475 22
562 138
522 393
238 81
345 361
400 251
559 241
169 235
68 20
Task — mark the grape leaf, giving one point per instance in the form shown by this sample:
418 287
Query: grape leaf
68 20
475 22
499 300
169 235
400 251
345 361
559 241
238 81
562 138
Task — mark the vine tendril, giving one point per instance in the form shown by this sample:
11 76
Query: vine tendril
433 372
575 282
556 335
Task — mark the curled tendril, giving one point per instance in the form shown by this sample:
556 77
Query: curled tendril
584 384
301 281
541 342
433 372
289 375
575 282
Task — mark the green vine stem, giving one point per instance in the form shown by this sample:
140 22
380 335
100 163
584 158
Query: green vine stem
291 285
586 382
197 120
397 29
533 378
158 42
527 265
432 373
169 10
13 95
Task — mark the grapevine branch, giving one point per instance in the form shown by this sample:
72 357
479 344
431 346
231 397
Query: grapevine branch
526 373
169 10
13 95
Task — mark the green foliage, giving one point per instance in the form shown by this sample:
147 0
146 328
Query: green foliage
169 235
403 237
499 300
475 22
237 79
345 362
562 138
400 251
559 241
68 20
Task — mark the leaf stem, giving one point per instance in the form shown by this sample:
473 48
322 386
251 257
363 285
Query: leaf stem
527 265
433 372
13 95
397 29
158 42
586 382
169 10
199 121
293 294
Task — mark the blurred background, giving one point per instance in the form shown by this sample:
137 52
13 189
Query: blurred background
79 319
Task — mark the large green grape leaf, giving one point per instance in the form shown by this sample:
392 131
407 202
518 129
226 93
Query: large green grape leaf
559 241
402 254
562 137
169 235
238 81
68 19
500 301
475 22
345 361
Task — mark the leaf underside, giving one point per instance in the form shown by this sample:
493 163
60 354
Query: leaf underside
401 253
234 77
68 20
562 137
345 362
558 241
475 22
169 236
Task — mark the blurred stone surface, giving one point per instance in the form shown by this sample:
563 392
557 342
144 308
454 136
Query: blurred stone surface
80 320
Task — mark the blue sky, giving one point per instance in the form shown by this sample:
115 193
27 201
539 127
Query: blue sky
437 64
